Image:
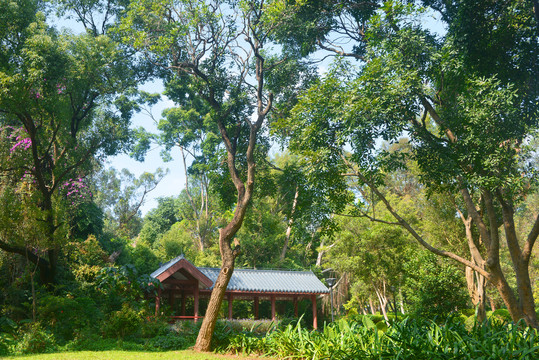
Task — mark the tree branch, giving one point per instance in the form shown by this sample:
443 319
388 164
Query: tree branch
411 230
530 242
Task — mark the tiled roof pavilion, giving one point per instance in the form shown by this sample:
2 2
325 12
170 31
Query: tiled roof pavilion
181 277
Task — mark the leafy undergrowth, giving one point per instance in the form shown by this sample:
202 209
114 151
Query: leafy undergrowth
129 355
408 339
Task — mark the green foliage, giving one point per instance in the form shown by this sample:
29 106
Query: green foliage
74 82
120 287
120 194
170 341
434 288
159 220
408 339
144 259
66 316
177 240
121 323
87 220
8 329
33 338
468 113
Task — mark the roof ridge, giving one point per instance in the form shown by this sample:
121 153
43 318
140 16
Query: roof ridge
268 270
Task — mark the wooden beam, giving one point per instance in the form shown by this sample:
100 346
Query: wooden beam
252 294
196 303
295 306
315 317
190 268
230 302
273 307
179 282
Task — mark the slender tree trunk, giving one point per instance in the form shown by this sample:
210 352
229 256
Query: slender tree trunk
401 300
289 228
506 293
371 305
320 253
382 299
33 287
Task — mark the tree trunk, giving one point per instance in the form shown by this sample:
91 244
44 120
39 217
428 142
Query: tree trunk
520 264
289 228
492 303
476 288
488 228
371 305
205 334
401 301
382 299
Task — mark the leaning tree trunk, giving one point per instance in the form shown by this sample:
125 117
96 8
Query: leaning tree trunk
228 255
382 299
226 234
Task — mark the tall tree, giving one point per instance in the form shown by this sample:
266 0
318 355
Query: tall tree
121 195
468 101
216 58
59 114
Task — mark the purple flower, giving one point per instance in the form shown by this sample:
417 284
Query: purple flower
24 143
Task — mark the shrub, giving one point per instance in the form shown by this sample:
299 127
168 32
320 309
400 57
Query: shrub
8 329
503 315
153 326
435 287
408 339
170 341
33 339
123 322
91 341
66 315
467 312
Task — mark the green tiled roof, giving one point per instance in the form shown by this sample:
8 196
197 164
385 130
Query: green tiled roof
271 281
253 280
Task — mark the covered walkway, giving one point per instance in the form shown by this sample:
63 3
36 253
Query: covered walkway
182 280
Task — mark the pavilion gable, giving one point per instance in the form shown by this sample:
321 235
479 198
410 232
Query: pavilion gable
180 265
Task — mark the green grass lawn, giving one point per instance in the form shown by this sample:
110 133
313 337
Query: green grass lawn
130 355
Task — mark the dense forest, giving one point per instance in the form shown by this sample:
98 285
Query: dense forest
391 145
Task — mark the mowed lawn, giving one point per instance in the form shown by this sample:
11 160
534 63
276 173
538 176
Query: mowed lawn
133 355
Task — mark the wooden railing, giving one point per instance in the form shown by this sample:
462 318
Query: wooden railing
185 317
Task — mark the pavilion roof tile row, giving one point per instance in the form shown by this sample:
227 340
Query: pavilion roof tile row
270 281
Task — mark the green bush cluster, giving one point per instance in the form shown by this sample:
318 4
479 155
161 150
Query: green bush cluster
33 338
407 339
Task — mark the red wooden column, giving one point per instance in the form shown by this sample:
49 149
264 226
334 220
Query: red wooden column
158 301
273 307
196 301
229 298
315 318
256 307
295 306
